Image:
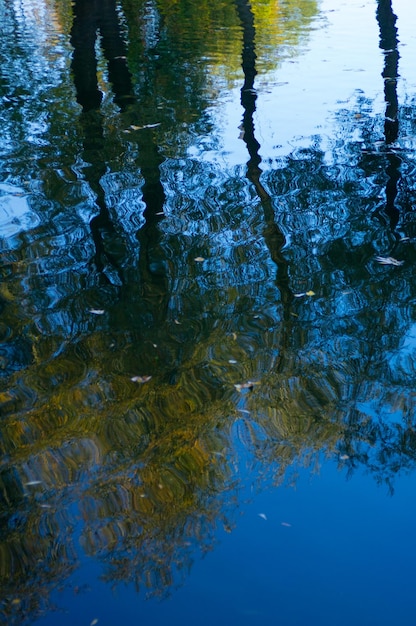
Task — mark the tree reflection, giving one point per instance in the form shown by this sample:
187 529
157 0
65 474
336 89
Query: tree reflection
93 18
273 235
187 294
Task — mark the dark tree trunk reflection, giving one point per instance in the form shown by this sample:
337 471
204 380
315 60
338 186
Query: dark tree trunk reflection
90 19
274 237
388 43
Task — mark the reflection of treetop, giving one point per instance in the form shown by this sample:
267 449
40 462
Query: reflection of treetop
210 30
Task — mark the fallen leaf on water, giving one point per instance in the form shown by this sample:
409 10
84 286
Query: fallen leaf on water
263 516
233 361
248 385
305 293
97 311
133 127
33 482
16 601
388 261
286 524
177 321
199 259
140 379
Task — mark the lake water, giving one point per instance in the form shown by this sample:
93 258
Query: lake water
208 312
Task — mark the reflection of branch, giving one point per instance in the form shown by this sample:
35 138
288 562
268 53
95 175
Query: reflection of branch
273 236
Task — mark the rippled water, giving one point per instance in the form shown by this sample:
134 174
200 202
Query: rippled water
207 240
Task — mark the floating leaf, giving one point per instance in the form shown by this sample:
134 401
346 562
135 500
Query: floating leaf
133 127
232 361
177 322
263 516
33 482
97 311
389 261
248 385
286 524
199 259
140 379
305 293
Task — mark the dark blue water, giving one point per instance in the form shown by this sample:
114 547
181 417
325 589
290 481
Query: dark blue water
207 312
331 550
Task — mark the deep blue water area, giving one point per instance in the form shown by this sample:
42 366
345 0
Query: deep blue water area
328 550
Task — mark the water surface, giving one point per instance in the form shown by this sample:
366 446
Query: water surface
207 357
